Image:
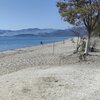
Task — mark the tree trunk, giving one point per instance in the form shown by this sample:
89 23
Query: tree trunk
77 47
87 45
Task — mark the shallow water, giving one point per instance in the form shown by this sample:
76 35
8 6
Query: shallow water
8 43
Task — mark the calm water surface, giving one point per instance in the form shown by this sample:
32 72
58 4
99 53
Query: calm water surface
8 43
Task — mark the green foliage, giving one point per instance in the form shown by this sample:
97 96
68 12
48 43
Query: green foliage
78 12
97 30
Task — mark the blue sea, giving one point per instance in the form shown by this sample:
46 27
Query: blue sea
9 43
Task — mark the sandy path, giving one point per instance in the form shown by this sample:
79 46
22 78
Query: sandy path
56 83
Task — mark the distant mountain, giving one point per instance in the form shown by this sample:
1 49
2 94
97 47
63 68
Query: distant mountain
4 31
34 31
42 32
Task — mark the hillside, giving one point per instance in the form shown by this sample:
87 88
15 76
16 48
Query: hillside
42 32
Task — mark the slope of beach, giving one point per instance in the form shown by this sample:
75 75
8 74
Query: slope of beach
49 72
47 54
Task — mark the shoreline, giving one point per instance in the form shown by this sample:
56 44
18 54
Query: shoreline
51 54
49 73
30 48
42 55
31 43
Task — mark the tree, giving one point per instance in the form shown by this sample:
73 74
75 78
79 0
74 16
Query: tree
97 30
77 34
81 12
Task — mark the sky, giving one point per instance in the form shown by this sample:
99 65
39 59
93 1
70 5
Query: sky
21 14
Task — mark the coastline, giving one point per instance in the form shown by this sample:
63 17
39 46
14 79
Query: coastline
12 43
49 72
41 55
